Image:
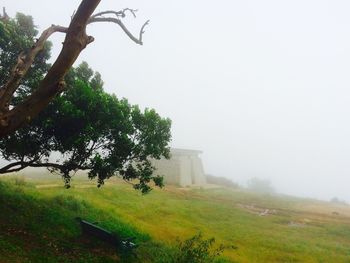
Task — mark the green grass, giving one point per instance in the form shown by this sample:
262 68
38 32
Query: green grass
37 228
297 230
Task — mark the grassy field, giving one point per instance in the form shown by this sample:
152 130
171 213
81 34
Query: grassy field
264 228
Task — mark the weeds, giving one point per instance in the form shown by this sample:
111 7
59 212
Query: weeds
198 250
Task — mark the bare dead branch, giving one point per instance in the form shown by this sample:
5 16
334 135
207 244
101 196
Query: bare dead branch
142 30
137 40
121 13
99 17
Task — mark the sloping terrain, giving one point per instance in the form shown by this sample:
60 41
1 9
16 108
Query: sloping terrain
34 228
264 228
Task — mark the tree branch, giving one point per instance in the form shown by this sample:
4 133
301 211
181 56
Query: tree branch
22 164
6 168
47 165
12 166
119 14
24 61
52 84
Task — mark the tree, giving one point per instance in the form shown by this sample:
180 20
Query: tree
14 116
222 181
84 128
260 185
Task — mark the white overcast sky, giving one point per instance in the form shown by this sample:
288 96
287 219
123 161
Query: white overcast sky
262 87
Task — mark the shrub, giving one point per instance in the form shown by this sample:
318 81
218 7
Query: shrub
260 185
20 181
198 250
70 202
211 179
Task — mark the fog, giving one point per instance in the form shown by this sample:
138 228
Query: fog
261 87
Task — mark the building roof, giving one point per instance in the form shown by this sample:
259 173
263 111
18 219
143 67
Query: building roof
177 151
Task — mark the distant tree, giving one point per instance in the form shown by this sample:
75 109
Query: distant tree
84 128
223 181
260 185
336 200
48 86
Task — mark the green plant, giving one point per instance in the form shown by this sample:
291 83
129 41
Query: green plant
197 250
19 180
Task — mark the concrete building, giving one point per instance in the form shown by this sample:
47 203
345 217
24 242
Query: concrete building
184 168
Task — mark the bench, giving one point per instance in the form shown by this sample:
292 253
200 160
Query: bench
91 229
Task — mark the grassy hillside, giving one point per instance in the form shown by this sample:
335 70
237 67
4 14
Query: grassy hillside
35 228
264 228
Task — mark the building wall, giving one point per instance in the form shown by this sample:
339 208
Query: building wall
185 171
184 168
198 176
169 169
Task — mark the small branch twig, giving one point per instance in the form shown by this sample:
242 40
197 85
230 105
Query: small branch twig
98 17
121 13
123 27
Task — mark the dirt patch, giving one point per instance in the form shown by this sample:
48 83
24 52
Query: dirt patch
260 211
40 186
296 224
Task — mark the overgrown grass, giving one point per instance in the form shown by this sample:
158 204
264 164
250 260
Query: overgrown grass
40 229
37 226
296 230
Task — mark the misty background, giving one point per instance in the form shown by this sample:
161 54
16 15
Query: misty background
261 87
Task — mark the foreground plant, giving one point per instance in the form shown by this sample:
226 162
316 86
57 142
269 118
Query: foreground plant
198 250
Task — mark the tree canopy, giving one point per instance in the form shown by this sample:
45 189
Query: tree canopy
84 128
